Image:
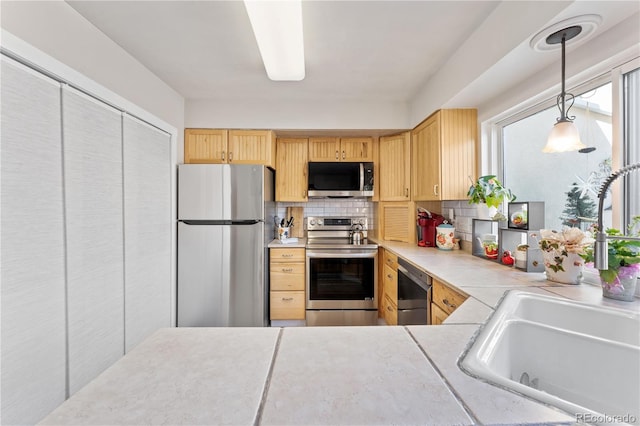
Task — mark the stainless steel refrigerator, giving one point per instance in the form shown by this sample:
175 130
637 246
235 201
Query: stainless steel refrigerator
222 244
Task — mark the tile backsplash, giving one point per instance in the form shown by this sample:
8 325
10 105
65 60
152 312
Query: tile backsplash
462 211
331 207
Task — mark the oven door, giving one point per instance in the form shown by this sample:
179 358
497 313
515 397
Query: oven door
342 279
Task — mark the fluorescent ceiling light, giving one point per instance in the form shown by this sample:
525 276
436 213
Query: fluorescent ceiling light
277 26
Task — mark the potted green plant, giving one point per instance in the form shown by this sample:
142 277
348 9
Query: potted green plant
489 190
619 281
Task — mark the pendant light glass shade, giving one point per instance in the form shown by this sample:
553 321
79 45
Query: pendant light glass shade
564 137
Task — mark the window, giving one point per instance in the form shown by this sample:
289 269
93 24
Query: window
569 182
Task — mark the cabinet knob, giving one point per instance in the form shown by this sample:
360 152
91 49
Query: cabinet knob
389 276
406 192
230 156
449 304
337 155
435 189
343 155
389 308
222 155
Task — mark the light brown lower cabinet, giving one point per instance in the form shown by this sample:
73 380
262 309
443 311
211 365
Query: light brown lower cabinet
287 305
437 315
389 280
444 301
287 284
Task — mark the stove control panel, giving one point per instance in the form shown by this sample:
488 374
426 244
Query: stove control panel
335 223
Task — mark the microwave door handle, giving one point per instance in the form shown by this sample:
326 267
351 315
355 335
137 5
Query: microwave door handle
361 176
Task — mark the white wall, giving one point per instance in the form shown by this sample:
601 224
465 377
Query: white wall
502 31
58 30
284 114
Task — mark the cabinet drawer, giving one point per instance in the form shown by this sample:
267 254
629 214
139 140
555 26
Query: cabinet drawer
391 283
287 305
389 311
446 298
287 276
286 255
390 260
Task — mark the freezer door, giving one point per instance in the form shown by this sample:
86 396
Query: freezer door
221 276
222 191
246 192
201 191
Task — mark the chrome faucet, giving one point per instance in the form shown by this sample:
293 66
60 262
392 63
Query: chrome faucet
601 247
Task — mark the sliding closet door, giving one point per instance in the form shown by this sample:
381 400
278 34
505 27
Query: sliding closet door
95 267
32 262
147 225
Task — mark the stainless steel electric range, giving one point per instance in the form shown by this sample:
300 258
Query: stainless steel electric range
341 278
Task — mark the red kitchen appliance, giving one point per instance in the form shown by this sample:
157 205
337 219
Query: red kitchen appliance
427 223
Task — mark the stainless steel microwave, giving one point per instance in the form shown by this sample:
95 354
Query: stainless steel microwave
340 180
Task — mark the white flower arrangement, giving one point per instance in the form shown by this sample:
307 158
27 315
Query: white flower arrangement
560 244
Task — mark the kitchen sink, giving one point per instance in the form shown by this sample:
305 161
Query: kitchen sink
581 358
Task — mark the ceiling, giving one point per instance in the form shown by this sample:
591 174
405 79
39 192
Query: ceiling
364 50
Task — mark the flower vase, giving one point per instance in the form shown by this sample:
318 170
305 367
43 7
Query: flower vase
624 286
485 212
565 269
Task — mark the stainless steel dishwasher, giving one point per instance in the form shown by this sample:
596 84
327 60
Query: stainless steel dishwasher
414 295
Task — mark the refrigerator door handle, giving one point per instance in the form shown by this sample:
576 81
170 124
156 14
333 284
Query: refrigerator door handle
246 222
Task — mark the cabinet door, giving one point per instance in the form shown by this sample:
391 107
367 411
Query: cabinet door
205 146
398 221
147 226
324 149
437 315
250 147
291 166
32 294
94 223
356 149
426 184
394 167
459 135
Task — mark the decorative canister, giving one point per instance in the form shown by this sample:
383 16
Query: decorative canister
563 268
445 234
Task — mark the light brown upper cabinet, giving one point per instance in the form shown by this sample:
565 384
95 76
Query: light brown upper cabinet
205 146
394 167
341 149
219 146
291 169
252 147
443 155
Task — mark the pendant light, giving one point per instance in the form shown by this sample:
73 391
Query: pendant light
564 136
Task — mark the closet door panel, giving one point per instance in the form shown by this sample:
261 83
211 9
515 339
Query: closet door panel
95 266
32 238
147 225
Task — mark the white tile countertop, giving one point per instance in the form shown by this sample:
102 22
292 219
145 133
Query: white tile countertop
325 375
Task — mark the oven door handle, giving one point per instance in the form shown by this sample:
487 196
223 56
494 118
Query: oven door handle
341 254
